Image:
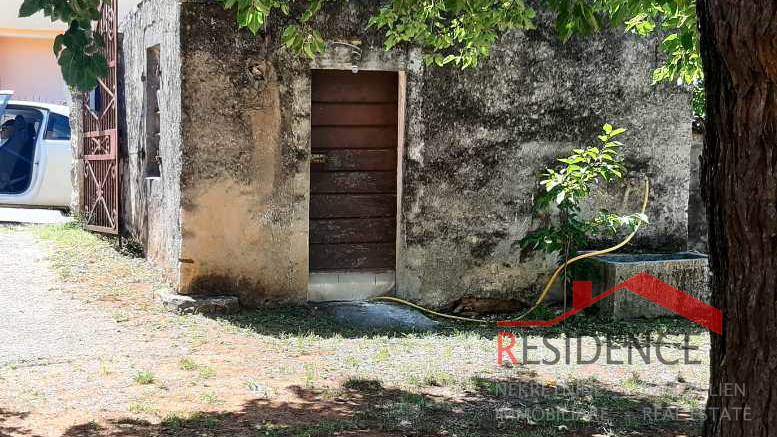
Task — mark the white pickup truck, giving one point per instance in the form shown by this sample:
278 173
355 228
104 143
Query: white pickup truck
35 155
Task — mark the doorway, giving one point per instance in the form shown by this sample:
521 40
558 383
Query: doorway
353 183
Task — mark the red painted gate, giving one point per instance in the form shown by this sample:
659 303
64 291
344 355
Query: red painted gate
100 191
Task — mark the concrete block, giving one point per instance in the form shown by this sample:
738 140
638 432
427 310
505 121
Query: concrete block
181 304
686 271
349 286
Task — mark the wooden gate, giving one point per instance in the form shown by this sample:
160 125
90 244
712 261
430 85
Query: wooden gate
353 186
100 191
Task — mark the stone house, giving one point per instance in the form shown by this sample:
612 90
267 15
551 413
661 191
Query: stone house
252 171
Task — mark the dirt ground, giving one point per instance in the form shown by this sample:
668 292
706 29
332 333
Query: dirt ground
86 350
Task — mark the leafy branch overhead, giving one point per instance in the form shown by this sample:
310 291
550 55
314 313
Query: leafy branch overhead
78 49
674 18
458 32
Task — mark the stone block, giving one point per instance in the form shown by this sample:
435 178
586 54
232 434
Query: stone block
198 304
686 271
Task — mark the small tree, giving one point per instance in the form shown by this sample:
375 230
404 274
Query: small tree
567 185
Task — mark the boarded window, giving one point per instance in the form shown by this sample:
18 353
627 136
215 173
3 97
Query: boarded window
152 158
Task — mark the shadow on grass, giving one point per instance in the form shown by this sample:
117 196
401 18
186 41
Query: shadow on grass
311 320
519 407
72 242
12 430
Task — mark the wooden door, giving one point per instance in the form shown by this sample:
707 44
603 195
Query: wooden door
353 186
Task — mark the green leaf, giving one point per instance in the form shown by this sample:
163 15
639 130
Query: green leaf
255 24
58 43
308 50
289 34
29 8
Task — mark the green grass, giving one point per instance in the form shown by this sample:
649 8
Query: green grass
305 326
191 420
635 382
187 364
363 385
383 354
311 374
210 398
207 371
403 372
542 312
324 429
144 377
539 432
142 406
76 250
413 398
73 246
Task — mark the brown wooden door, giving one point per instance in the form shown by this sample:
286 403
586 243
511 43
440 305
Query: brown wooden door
353 186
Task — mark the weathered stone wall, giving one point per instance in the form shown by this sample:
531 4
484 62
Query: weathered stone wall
488 133
475 143
246 153
151 207
697 210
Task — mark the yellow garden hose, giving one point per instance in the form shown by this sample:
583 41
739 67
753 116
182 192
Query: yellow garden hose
561 268
550 282
426 310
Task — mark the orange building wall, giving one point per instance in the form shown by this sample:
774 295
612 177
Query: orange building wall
28 66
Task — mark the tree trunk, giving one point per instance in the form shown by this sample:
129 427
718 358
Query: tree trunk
739 50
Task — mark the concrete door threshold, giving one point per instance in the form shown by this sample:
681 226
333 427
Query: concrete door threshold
345 285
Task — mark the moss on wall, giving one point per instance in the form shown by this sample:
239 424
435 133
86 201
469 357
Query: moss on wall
475 143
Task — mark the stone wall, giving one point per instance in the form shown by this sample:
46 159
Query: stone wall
151 207
697 210
488 133
475 143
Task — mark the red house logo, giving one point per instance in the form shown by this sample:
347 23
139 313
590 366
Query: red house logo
646 286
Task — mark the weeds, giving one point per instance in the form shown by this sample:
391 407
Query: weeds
190 420
311 374
210 398
323 429
187 364
144 377
207 371
142 406
364 385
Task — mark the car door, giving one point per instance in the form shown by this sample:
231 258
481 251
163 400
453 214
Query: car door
49 177
54 162
19 152
5 97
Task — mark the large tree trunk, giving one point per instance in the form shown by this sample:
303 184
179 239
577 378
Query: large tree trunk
739 49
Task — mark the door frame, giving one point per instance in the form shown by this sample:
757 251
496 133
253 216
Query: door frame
350 286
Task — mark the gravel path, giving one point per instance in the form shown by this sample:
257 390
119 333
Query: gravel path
39 323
